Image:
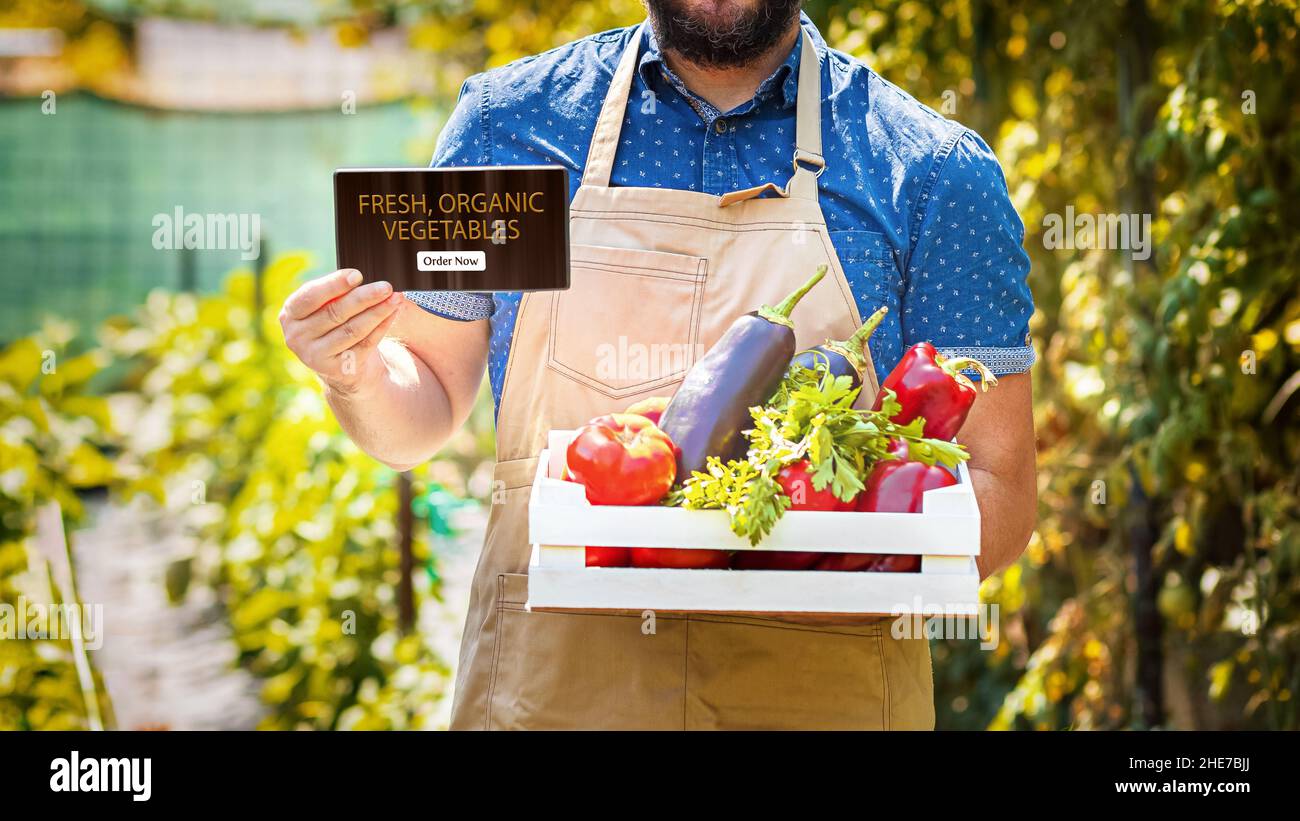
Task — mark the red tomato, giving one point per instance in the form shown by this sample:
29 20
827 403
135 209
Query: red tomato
622 459
608 556
679 558
773 559
846 562
651 408
795 480
897 563
873 562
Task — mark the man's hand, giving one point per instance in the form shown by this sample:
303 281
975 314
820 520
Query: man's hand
999 433
335 328
399 380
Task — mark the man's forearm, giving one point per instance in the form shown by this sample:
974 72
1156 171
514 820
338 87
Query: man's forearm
1006 521
1003 466
404 418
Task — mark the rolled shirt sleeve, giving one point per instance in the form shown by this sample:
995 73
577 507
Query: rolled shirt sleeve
463 142
966 290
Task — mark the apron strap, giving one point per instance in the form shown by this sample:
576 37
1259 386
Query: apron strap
604 141
808 161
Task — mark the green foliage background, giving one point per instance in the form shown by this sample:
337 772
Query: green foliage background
1161 585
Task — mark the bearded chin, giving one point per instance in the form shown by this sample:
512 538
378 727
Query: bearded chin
722 41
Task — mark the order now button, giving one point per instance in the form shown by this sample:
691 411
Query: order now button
451 260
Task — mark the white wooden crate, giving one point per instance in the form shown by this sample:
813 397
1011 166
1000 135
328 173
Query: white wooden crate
561 522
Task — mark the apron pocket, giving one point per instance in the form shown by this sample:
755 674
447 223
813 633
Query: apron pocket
576 671
629 322
743 676
868 263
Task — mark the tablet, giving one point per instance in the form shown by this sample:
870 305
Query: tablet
455 229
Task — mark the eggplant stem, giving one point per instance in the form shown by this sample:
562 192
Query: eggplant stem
859 339
785 307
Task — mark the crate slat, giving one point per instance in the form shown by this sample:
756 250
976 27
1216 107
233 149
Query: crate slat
734 591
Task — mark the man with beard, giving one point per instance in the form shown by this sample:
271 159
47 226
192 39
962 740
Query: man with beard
718 154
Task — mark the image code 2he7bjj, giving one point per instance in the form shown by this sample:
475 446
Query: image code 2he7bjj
455 229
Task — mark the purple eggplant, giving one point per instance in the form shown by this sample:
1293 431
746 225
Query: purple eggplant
847 357
710 411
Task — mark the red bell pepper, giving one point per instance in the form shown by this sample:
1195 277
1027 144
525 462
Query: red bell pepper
931 385
622 459
898 486
894 486
608 556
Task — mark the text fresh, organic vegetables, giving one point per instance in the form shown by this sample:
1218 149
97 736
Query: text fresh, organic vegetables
932 386
622 459
847 357
744 368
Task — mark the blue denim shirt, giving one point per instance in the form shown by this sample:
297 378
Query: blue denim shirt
899 177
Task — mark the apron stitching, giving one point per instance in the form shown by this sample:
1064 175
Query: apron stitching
606 390
647 216
699 306
666 273
686 663
510 362
630 614
610 268
610 391
496 651
823 238
776 624
886 706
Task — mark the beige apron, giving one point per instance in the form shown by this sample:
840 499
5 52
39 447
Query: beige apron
657 277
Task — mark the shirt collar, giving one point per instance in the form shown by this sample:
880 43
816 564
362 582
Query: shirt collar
784 82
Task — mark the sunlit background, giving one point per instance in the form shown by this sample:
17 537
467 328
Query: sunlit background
162 455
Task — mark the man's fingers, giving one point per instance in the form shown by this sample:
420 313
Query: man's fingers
358 327
313 295
337 311
377 335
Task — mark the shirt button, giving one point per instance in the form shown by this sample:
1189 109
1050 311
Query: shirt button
720 125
